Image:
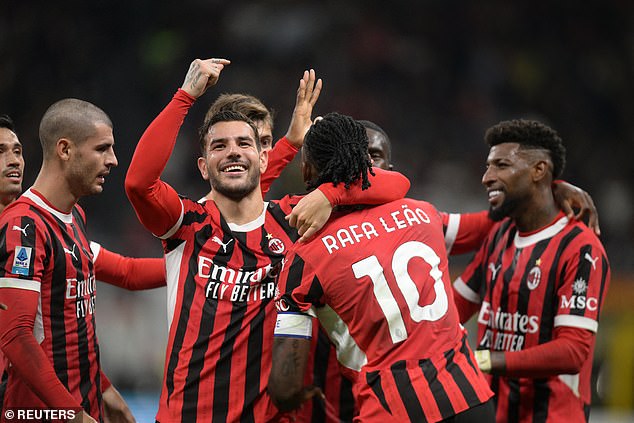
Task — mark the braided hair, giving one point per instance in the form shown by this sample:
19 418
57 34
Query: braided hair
337 146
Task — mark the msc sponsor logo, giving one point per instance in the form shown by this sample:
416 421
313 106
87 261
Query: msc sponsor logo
579 302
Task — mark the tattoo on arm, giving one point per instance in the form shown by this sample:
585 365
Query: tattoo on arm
193 75
290 365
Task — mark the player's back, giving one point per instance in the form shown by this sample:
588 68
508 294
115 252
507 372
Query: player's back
377 278
384 272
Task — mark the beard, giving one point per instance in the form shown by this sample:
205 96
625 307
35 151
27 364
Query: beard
236 192
505 209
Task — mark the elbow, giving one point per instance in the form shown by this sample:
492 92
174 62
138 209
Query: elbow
576 361
133 187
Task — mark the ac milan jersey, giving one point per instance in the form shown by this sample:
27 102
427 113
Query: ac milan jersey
47 251
529 284
221 285
378 281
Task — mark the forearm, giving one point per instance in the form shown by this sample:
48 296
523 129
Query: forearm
127 272
25 354
156 203
563 355
385 186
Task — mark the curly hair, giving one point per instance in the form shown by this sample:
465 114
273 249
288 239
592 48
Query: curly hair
337 146
530 134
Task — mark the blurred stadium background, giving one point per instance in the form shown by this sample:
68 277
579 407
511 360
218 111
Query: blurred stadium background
434 74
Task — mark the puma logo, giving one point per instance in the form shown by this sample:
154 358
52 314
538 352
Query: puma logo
23 230
71 252
494 270
219 242
591 260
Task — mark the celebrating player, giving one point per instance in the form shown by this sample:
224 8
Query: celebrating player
222 256
538 283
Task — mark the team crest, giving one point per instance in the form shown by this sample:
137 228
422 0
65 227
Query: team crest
534 276
276 245
21 260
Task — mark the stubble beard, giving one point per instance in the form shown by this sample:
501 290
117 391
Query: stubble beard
236 192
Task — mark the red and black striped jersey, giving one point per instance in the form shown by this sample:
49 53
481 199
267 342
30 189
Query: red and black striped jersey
528 285
221 285
378 281
46 251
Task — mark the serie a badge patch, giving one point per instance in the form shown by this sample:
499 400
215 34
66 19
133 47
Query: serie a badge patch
21 260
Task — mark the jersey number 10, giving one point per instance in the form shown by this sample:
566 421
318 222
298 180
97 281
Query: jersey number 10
371 267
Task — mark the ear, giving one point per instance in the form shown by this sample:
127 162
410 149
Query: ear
202 167
63 148
264 161
541 170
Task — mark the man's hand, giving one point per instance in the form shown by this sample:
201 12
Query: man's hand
82 417
307 95
492 362
115 408
310 214
203 74
569 197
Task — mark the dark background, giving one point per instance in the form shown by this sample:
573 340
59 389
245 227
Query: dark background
433 74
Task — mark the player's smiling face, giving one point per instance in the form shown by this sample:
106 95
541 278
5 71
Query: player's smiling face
91 161
11 163
233 162
507 179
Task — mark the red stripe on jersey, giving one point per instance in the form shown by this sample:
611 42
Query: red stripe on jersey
528 285
220 341
61 261
390 298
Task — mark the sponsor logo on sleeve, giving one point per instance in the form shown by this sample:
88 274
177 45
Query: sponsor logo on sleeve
21 260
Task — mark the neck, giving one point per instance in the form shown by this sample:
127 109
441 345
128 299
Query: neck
55 189
6 199
537 213
240 211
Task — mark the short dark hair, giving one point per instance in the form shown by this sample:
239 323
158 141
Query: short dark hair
70 118
246 104
7 122
530 134
225 116
337 146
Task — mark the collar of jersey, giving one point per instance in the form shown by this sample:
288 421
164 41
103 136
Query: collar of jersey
41 202
547 232
254 224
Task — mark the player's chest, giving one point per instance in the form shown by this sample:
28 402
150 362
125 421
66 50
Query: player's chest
521 272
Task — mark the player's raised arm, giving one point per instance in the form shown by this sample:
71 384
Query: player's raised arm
156 203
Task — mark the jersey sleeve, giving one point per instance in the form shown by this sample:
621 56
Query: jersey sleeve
565 354
128 272
584 285
385 186
22 262
156 203
465 232
280 156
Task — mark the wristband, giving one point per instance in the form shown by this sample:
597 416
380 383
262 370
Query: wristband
483 358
